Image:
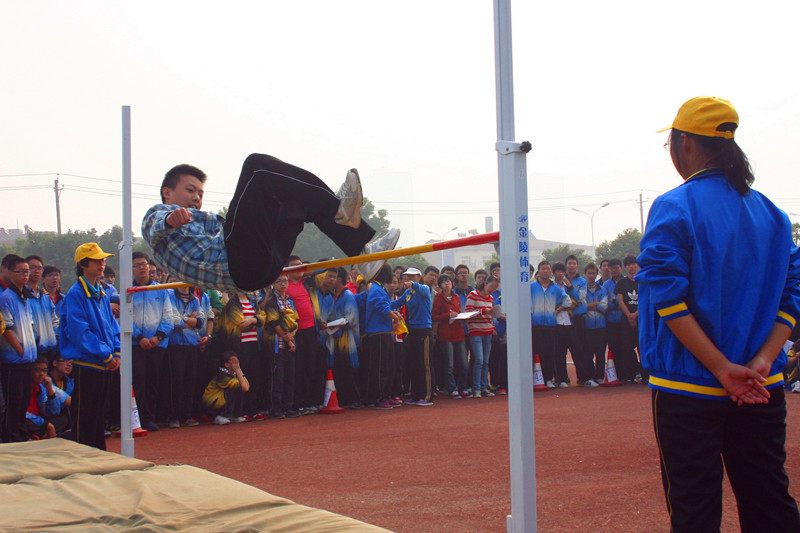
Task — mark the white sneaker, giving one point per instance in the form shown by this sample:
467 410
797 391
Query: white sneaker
350 200
238 419
221 420
795 387
563 385
386 242
590 383
550 384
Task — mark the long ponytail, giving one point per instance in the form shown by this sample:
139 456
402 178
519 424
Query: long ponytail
726 155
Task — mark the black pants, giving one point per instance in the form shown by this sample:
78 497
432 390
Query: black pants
594 346
282 381
17 390
498 364
182 362
307 347
627 363
345 378
570 338
398 359
614 334
696 437
543 340
378 349
418 353
272 202
147 369
88 399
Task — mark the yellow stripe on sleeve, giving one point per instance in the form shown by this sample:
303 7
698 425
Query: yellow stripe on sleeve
671 310
787 317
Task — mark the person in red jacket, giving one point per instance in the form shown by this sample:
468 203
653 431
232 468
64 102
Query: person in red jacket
452 345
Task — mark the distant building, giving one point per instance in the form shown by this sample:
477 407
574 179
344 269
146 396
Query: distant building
9 236
475 257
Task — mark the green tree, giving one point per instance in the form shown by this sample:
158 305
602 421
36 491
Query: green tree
624 244
494 259
312 244
796 232
59 250
560 253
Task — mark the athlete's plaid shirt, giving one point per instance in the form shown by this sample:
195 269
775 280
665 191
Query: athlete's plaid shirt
194 253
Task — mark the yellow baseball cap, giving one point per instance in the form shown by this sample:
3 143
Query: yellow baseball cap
90 250
703 115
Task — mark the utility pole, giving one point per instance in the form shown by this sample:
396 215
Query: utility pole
57 190
641 213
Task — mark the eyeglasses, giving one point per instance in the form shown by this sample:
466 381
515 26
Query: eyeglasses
281 281
141 265
40 371
21 272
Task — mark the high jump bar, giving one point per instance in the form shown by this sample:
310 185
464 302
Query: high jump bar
482 238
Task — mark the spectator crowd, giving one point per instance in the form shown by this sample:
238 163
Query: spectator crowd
405 337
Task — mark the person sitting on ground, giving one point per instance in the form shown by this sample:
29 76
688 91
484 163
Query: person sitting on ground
249 248
238 332
43 403
63 384
223 397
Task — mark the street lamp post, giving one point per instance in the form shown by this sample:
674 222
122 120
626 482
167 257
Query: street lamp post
441 238
591 223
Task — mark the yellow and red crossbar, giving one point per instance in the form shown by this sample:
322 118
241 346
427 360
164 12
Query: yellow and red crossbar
472 240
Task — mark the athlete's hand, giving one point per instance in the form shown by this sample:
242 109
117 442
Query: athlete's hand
744 385
760 364
113 364
179 217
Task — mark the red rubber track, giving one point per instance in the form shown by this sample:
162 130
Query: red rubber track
446 467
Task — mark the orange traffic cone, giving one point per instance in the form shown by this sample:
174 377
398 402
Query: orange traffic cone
538 377
331 403
611 373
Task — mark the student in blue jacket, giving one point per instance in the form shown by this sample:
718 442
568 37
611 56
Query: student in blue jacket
546 297
707 342
89 336
381 317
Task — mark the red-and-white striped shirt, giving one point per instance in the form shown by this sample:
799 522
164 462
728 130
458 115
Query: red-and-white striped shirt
249 312
481 324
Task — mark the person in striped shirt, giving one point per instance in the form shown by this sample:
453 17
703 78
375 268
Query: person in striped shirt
481 330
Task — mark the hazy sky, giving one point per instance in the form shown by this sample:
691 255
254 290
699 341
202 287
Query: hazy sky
402 91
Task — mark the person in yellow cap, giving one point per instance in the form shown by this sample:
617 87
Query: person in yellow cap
89 336
714 347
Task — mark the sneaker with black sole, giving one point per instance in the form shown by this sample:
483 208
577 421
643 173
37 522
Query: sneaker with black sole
382 244
351 198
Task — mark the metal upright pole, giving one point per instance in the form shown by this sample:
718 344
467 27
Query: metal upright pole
58 205
126 280
516 296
